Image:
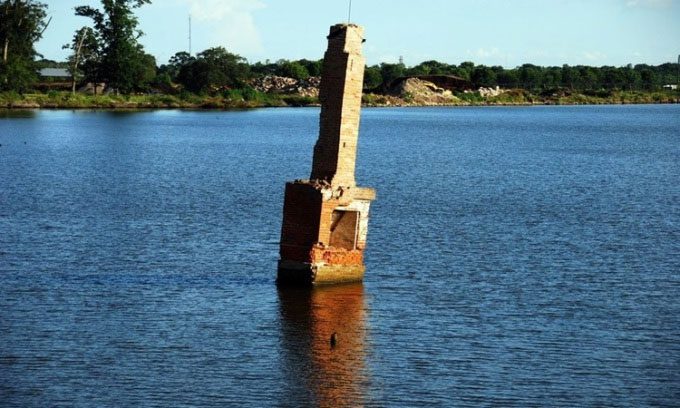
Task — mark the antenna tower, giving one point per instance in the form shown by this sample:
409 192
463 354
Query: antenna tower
190 34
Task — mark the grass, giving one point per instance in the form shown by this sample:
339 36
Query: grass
232 99
250 98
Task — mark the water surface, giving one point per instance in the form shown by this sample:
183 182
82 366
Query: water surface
517 257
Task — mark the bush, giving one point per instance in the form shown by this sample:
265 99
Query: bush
470 97
371 99
234 95
8 98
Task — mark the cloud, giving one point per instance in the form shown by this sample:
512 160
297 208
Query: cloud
487 53
594 56
220 10
649 3
492 55
228 23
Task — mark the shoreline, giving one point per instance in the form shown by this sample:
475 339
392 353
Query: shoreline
68 101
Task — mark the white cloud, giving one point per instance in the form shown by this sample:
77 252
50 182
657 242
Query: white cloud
388 58
230 23
492 55
487 53
649 3
594 55
219 10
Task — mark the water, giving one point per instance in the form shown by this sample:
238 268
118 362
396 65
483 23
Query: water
517 257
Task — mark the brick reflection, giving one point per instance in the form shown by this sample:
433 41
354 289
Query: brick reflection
317 373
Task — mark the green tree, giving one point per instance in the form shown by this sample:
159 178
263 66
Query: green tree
551 78
390 72
530 76
313 67
612 78
508 78
588 78
666 73
174 66
214 69
292 69
430 68
631 78
569 76
48 63
145 70
168 74
260 69
483 76
465 69
649 79
22 24
86 57
372 77
124 63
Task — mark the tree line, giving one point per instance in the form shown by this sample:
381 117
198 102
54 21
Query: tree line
108 51
536 78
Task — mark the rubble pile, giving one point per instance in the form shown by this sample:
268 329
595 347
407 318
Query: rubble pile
486 92
283 85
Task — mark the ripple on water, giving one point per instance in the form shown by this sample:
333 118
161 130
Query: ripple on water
517 257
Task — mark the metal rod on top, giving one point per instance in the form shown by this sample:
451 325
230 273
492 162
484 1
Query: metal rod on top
349 14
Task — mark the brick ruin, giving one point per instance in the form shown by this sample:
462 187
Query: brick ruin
325 218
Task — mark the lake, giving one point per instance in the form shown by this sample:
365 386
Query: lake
517 256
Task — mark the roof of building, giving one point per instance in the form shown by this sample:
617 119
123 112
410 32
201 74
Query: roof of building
54 72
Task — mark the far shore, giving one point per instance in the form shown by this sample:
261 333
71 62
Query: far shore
67 100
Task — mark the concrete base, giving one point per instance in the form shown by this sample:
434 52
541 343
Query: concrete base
306 274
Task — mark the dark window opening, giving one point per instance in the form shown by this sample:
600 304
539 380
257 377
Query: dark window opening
344 229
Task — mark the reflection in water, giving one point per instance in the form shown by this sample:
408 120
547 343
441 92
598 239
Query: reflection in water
123 113
17 114
318 374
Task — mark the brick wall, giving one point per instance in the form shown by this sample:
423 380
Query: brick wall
300 229
340 96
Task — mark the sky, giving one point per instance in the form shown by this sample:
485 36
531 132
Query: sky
491 32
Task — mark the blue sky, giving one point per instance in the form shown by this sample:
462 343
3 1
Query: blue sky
491 32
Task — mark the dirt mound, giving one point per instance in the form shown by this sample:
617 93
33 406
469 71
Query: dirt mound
419 92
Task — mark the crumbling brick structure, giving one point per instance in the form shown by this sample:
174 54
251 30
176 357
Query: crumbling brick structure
325 218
